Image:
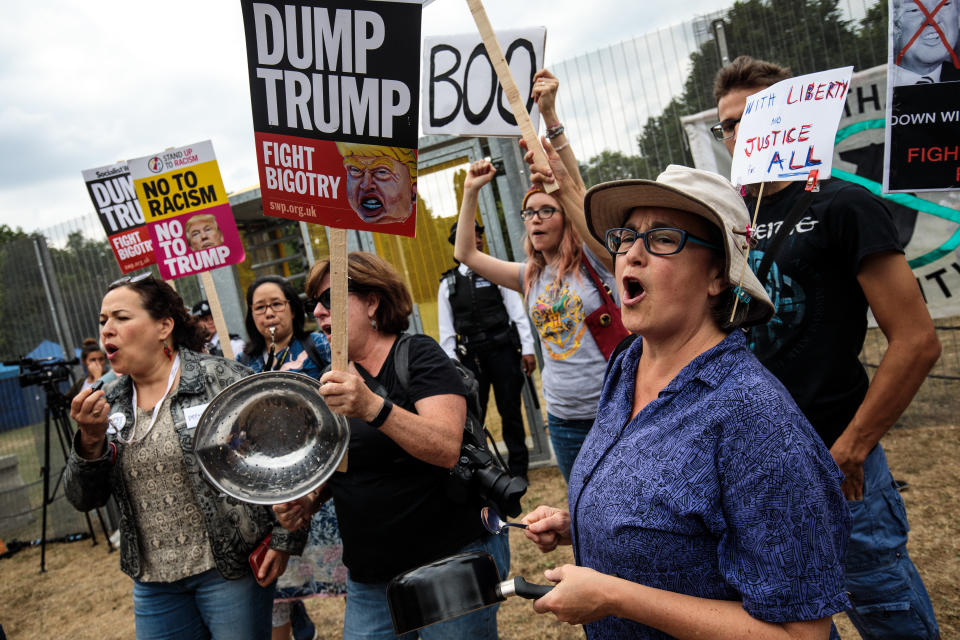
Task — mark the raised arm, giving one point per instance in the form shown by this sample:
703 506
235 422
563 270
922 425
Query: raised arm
570 194
501 272
544 93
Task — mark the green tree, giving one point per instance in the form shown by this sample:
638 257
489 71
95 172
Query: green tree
613 165
805 35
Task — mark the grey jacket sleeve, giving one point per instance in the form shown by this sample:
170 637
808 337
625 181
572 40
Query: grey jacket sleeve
86 483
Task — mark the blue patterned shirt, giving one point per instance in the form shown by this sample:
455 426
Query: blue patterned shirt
295 358
719 488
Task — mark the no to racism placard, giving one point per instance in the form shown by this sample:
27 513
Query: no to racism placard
186 210
923 97
113 196
787 130
334 95
461 94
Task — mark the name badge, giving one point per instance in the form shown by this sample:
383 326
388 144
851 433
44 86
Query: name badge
191 415
480 282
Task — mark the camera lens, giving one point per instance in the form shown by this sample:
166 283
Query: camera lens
502 490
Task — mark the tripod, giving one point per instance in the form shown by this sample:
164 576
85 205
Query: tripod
56 415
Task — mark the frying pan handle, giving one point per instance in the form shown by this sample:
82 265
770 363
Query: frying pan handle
520 587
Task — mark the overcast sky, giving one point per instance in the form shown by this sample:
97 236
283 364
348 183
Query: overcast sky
86 84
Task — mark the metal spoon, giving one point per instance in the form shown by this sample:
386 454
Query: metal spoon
492 522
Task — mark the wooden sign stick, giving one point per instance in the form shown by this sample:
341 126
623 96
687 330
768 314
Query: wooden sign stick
499 63
338 299
338 306
217 311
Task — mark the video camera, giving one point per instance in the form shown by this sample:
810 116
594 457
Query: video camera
43 371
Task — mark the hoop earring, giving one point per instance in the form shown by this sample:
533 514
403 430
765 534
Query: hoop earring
166 351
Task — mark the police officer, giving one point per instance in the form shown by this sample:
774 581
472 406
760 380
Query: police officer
486 328
201 311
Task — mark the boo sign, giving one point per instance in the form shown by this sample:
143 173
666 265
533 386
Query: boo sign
111 190
788 129
461 94
185 206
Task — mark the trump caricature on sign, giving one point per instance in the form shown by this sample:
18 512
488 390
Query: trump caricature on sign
381 181
203 232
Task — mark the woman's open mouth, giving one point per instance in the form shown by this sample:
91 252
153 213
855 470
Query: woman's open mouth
632 290
111 350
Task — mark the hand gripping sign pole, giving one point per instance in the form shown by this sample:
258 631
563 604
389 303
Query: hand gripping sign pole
499 63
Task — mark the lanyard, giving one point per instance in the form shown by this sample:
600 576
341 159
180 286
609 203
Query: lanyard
270 365
156 409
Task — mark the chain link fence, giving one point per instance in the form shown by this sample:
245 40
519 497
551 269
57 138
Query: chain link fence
621 106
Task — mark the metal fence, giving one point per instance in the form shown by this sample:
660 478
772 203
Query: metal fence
621 106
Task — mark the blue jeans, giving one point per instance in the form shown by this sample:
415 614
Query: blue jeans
567 436
888 596
368 617
203 606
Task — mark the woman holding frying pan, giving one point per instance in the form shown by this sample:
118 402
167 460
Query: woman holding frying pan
703 504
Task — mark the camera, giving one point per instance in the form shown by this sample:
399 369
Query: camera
43 371
478 470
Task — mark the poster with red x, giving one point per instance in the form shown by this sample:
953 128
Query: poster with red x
922 151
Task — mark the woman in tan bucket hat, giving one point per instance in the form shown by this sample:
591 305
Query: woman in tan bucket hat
703 504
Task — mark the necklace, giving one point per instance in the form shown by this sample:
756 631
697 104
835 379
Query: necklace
156 408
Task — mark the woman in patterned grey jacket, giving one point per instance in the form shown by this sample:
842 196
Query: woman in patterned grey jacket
184 544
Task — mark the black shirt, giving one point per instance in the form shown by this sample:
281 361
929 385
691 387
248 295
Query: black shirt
813 342
393 510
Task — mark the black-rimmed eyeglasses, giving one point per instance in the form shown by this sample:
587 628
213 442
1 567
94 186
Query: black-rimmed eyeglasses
725 129
276 305
663 241
544 213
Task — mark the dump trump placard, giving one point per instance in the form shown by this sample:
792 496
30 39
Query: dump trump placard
185 206
111 190
334 94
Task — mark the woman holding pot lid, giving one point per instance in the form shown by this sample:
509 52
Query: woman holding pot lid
702 504
393 502
185 545
278 342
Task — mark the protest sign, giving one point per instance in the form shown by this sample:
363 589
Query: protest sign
334 94
461 94
113 196
928 224
923 97
185 207
787 129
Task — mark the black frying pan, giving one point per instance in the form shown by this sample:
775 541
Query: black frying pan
451 587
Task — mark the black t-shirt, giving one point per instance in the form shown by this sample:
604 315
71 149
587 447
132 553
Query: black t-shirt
393 510
813 342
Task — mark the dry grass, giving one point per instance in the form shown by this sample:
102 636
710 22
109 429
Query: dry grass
84 596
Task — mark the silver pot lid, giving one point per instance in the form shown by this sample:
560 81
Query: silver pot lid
270 438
